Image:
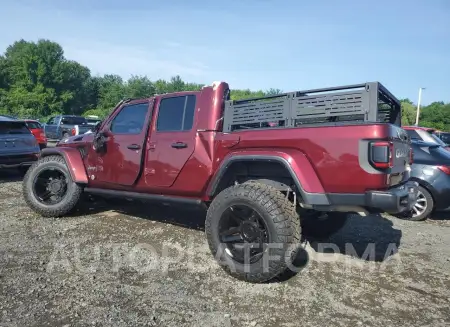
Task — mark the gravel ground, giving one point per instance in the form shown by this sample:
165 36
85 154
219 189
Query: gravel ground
132 264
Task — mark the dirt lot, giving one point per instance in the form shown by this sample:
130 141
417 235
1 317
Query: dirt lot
130 264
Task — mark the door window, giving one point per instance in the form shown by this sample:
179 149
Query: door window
130 119
176 114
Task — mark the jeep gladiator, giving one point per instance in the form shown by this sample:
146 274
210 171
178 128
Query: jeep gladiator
267 169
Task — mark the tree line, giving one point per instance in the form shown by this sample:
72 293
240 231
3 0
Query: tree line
37 81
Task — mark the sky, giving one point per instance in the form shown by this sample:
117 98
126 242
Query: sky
289 45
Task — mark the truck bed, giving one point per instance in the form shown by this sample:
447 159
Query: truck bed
369 102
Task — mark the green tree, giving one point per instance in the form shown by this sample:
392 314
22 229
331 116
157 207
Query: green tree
408 112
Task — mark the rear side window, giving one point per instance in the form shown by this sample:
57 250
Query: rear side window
33 125
130 119
176 114
13 128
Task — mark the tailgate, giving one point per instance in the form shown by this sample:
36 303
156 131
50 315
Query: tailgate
83 129
401 154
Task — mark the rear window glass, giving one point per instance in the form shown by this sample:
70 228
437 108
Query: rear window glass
13 128
73 120
33 125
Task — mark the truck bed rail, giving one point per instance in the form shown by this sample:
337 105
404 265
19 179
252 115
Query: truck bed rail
368 102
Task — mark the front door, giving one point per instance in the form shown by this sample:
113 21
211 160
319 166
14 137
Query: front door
125 132
172 140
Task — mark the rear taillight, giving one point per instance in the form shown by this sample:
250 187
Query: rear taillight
411 156
74 132
444 169
381 154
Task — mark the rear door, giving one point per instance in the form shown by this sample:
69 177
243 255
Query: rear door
125 133
172 140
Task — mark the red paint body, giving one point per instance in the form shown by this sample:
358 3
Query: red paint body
324 159
38 131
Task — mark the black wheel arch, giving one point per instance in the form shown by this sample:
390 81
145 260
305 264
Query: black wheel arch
272 170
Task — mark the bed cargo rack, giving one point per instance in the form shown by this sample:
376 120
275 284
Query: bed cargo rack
360 103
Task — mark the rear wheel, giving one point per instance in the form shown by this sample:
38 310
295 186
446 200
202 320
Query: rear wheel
253 231
319 224
422 208
48 188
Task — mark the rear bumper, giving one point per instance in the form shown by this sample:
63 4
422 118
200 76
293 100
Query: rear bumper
16 165
18 160
395 200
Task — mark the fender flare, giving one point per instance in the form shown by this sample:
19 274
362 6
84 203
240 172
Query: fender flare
73 161
308 197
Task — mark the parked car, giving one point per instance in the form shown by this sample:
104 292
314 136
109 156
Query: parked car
333 151
38 131
431 169
18 147
63 126
425 134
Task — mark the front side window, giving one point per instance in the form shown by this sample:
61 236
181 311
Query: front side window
176 114
130 119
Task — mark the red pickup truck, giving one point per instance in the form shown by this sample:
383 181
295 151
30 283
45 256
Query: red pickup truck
267 169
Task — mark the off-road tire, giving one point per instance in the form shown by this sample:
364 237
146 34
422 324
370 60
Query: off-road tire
313 226
282 223
424 215
70 199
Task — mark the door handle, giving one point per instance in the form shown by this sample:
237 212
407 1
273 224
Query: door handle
179 145
134 147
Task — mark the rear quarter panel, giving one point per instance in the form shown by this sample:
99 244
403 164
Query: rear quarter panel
332 152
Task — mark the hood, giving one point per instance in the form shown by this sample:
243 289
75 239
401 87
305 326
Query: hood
77 139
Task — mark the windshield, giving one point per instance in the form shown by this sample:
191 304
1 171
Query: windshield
73 120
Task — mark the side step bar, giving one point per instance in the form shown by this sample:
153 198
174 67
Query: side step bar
143 196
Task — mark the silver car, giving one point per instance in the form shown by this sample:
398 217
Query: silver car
18 147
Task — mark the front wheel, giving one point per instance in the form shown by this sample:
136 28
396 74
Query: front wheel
253 231
48 188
